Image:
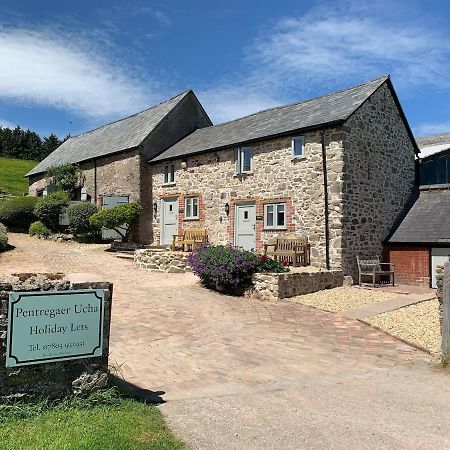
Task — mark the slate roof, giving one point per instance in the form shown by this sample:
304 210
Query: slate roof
111 138
325 110
428 221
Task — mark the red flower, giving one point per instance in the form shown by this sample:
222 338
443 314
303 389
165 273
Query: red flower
264 257
285 262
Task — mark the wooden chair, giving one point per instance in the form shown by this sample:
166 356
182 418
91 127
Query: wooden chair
190 238
294 249
373 267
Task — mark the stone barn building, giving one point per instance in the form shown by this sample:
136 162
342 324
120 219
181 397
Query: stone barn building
339 169
114 157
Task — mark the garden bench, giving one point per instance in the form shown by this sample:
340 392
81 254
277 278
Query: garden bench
295 250
373 267
190 239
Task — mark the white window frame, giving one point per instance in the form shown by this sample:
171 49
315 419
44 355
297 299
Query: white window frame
190 201
275 225
170 172
239 163
302 138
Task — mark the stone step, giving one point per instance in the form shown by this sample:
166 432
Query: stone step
124 255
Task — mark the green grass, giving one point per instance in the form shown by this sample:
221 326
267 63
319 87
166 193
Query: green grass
117 424
12 172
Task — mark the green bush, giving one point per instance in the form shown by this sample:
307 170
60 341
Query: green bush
48 209
17 213
3 237
79 215
39 229
229 270
117 217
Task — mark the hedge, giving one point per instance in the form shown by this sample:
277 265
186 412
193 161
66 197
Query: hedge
17 213
39 229
3 237
48 209
79 215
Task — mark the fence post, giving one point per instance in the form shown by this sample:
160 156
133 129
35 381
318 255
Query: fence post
445 312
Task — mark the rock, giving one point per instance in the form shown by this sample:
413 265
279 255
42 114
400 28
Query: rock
87 383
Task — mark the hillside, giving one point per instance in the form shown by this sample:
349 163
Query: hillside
12 172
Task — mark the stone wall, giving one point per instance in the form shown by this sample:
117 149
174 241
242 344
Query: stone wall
162 260
56 378
378 176
276 286
212 178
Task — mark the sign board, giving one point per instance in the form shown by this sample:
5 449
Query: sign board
54 326
259 217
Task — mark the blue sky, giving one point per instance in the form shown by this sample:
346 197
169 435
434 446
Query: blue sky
67 67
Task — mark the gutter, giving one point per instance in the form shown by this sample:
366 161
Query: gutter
325 198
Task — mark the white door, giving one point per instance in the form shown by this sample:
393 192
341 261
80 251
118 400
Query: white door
109 201
169 220
438 257
244 226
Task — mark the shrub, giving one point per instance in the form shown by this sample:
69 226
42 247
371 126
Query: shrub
79 215
17 212
226 269
3 237
116 218
48 209
39 229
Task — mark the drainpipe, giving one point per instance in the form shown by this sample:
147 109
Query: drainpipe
325 198
95 181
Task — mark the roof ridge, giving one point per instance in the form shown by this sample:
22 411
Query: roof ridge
385 77
132 115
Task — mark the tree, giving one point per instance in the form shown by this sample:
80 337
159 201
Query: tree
49 144
26 144
117 218
66 177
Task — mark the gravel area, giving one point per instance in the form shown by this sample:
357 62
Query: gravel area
342 298
416 323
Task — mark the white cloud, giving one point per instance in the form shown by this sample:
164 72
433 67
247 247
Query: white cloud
426 129
68 73
7 124
331 47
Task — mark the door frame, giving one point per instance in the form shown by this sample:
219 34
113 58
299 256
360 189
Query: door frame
235 234
161 220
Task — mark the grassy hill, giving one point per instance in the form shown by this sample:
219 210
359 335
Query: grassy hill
12 173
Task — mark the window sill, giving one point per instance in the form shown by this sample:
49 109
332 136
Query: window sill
168 184
190 219
275 229
298 158
243 174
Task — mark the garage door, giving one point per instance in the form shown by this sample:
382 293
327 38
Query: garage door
438 257
109 201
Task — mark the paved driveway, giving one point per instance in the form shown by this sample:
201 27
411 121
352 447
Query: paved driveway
244 374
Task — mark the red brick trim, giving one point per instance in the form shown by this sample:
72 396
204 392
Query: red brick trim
259 228
181 205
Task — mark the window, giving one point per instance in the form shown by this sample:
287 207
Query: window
298 147
169 174
275 215
191 208
244 160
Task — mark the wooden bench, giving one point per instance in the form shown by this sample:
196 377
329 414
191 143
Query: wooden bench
295 250
373 267
190 239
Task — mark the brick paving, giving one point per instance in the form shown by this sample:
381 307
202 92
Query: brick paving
171 335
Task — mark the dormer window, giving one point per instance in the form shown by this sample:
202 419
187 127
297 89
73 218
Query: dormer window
298 147
169 174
